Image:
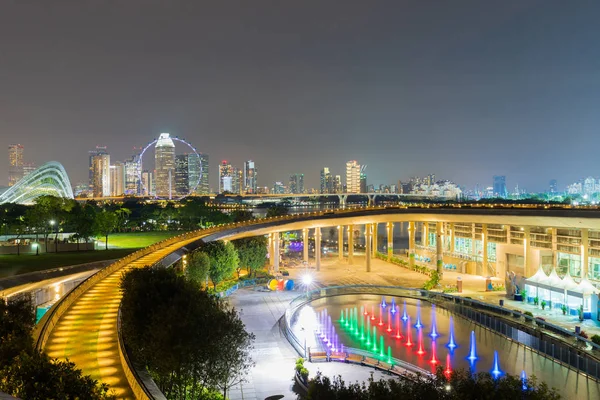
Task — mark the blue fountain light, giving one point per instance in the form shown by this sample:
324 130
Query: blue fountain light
393 310
524 380
433 333
451 343
418 325
404 314
473 353
496 372
383 304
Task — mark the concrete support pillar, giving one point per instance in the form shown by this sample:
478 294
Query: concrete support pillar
425 235
350 244
484 242
318 248
276 252
343 198
584 253
368 236
390 240
528 265
340 242
305 245
270 249
473 247
374 232
452 238
439 235
554 248
411 244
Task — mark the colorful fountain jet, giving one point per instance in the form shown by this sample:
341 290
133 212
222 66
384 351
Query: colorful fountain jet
433 334
408 333
404 314
496 372
383 303
380 316
524 380
433 360
451 343
418 325
398 334
448 370
393 306
420 350
389 328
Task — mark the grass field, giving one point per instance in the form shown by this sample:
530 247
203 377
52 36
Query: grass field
11 265
135 240
120 244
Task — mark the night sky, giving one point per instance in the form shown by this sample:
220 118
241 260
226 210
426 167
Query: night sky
462 89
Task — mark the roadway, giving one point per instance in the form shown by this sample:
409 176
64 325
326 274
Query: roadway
87 333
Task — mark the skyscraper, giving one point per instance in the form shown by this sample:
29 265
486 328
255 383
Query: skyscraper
194 173
28 168
327 181
203 186
499 187
553 186
296 183
164 166
250 177
363 181
337 184
238 184
132 176
15 166
100 172
226 177
353 177
147 183
182 175
117 179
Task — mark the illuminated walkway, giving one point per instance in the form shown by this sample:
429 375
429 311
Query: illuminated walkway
87 332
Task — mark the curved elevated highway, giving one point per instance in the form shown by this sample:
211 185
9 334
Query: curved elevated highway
83 325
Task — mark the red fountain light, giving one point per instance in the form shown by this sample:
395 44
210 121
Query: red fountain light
389 328
433 360
366 311
420 351
448 370
408 341
398 335
372 312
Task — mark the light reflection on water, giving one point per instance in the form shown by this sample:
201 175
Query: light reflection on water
512 357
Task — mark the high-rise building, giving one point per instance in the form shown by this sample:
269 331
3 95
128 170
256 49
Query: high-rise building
499 186
100 172
147 183
227 176
203 186
239 181
194 172
278 188
250 177
182 176
363 182
15 166
337 184
117 179
296 183
353 177
28 168
164 166
553 186
327 181
132 176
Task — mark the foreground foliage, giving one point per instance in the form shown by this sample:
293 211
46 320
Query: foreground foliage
31 375
462 385
190 341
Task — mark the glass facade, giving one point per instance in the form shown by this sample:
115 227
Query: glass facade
568 262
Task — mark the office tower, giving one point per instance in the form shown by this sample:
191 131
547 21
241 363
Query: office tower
203 186
278 188
327 181
363 181
250 177
499 186
337 184
553 186
429 180
164 166
194 173
353 177
296 183
15 166
100 172
132 176
147 183
182 177
117 179
239 181
226 177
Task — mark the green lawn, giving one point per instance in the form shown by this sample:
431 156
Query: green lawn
135 240
120 244
14 265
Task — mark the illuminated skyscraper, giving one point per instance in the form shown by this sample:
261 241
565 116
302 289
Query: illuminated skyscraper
132 176
28 168
203 186
226 177
327 182
499 188
296 183
182 175
164 166
194 172
363 181
250 176
337 184
100 172
147 184
117 179
15 166
353 170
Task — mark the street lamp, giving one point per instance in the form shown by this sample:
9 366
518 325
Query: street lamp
53 223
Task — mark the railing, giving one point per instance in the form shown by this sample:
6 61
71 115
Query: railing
556 349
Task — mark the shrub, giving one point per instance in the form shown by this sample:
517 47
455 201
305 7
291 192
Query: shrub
596 339
304 374
528 313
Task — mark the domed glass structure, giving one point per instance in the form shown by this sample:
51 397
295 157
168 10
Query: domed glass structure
50 179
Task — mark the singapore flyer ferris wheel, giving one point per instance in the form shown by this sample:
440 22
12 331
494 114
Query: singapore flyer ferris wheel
175 175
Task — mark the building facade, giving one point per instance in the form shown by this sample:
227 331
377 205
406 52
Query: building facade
352 177
250 177
117 179
164 167
499 187
182 175
227 177
100 172
296 185
15 164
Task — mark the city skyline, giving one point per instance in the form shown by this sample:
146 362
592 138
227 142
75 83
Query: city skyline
475 90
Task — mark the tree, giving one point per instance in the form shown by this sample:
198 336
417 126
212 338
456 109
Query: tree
223 260
242 215
198 267
82 220
105 224
277 211
252 252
